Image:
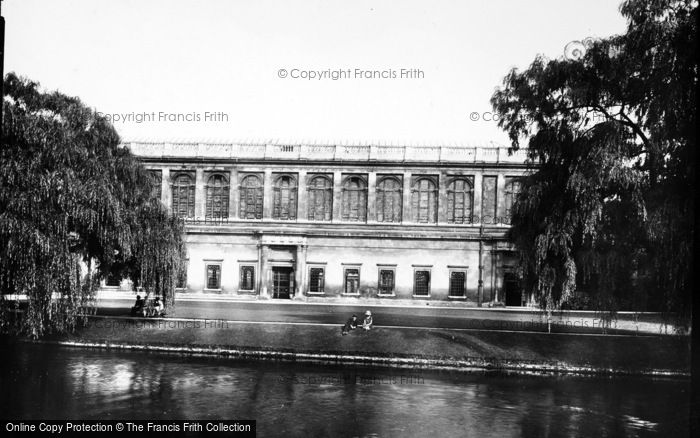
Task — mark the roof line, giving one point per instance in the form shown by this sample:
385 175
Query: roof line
307 142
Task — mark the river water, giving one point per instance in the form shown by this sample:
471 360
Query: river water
52 382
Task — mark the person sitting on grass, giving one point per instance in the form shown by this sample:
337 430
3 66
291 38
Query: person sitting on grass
350 324
158 309
137 310
367 323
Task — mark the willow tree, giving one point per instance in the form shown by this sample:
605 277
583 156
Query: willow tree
71 198
608 212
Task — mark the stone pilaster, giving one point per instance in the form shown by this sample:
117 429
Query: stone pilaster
480 288
442 198
267 194
166 194
478 177
406 216
300 272
200 201
337 195
233 195
372 197
264 268
302 213
500 198
499 278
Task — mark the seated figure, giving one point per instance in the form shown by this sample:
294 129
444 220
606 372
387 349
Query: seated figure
367 322
158 308
139 307
350 324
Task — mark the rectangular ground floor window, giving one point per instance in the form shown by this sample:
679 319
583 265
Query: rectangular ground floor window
247 279
213 276
386 281
421 282
316 280
352 281
458 284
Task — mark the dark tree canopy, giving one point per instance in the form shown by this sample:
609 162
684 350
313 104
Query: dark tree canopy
608 212
74 206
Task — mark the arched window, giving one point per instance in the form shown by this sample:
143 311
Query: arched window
217 197
285 199
512 190
354 200
183 196
460 201
424 201
320 199
251 197
389 200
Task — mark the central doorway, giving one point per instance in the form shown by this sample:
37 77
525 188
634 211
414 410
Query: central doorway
511 286
282 282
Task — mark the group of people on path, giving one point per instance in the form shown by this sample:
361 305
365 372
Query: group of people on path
156 309
142 307
351 323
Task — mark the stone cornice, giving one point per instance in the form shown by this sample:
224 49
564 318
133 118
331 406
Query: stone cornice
347 230
367 154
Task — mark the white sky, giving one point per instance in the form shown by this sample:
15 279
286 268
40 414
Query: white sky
190 56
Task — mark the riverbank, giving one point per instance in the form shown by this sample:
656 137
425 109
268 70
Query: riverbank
393 346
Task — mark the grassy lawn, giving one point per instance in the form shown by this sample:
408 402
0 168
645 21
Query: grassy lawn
631 354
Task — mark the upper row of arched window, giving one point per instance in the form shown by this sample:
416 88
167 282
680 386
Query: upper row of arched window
389 198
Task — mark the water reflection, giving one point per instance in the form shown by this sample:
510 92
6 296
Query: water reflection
41 382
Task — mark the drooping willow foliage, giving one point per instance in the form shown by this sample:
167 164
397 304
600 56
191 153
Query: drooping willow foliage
73 207
156 264
608 215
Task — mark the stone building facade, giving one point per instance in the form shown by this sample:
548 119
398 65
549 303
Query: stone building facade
343 223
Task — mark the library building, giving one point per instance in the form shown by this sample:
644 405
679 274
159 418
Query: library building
343 223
